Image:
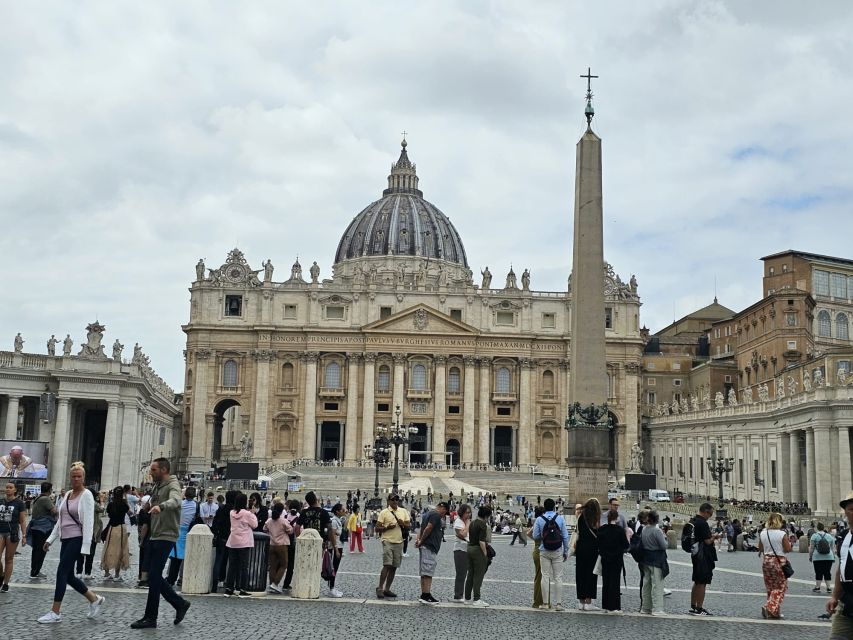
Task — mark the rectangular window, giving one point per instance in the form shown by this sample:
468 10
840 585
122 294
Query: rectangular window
384 380
234 306
549 321
330 406
608 318
650 366
772 474
162 439
651 381
727 378
676 366
290 312
792 345
820 282
772 270
454 408
334 313
383 407
849 287
504 411
384 312
839 286
676 382
652 397
717 332
845 365
505 318
456 314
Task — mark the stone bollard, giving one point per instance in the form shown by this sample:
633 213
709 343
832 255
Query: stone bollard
307 565
198 560
672 539
739 542
804 544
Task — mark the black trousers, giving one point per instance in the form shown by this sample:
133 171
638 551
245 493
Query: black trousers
238 569
336 562
611 597
158 551
220 565
68 552
39 553
85 562
291 554
174 570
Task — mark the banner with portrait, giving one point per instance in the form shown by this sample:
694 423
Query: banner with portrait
24 459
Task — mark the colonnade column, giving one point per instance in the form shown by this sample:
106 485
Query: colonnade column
309 412
485 411
369 405
350 440
439 441
111 444
59 446
11 430
811 489
468 411
522 455
261 413
399 380
199 449
845 482
795 468
823 478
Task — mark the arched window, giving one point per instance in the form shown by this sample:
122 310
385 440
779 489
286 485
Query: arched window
824 324
548 382
841 328
229 374
384 379
189 383
502 380
287 375
419 377
454 380
333 376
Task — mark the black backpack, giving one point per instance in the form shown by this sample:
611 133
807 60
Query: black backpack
822 546
552 536
687 537
635 548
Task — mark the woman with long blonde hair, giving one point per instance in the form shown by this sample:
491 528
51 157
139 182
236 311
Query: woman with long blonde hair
75 524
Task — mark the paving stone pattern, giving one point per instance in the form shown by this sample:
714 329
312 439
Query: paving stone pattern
734 598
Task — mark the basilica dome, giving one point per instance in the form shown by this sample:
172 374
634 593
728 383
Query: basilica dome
402 223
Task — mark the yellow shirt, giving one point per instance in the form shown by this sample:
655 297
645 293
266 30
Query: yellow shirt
386 516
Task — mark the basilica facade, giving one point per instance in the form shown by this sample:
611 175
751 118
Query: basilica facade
400 331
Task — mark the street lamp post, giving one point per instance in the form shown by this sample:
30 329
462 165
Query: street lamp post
718 469
378 451
396 435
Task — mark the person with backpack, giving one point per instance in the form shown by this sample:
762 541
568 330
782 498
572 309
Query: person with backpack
552 537
822 557
655 568
698 541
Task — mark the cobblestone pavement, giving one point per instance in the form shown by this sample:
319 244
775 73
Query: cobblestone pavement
735 598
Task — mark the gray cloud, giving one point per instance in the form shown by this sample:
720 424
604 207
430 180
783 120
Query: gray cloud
136 139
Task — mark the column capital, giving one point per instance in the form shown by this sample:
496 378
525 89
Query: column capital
263 355
354 357
309 357
203 354
440 359
399 358
485 362
469 361
369 357
527 363
63 400
565 365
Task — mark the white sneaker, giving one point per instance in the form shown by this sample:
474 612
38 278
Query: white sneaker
95 607
659 614
667 592
118 579
592 607
337 593
459 600
581 606
405 555
558 607
467 601
479 603
274 588
50 618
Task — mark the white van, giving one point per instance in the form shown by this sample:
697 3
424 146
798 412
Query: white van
659 495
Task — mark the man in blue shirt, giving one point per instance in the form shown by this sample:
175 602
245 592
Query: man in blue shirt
550 533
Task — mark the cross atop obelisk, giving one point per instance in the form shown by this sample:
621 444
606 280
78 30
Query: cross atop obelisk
589 111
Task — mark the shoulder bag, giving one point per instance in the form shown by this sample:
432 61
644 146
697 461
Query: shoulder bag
787 569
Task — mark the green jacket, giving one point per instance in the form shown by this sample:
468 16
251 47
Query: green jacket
166 525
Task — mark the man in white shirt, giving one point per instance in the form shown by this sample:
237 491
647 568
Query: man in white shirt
208 509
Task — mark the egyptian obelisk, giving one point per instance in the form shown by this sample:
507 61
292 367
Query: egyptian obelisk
588 445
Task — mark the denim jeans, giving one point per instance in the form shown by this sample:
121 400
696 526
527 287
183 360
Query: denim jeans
68 553
158 553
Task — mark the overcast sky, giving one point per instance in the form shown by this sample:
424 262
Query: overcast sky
137 137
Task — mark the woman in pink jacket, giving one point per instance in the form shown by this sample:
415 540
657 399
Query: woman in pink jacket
239 544
279 529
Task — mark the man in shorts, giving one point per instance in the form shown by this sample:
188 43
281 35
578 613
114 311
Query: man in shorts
390 525
704 557
428 544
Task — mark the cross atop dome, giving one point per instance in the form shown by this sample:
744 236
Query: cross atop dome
404 174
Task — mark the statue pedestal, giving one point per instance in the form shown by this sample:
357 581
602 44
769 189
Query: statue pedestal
198 560
638 481
307 565
588 463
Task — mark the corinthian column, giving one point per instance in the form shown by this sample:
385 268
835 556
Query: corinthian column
199 447
484 432
261 414
468 409
524 424
399 379
11 432
111 446
369 400
351 431
438 423
309 413
59 450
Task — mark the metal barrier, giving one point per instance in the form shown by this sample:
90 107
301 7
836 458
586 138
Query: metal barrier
259 563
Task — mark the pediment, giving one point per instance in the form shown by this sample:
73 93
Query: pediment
420 319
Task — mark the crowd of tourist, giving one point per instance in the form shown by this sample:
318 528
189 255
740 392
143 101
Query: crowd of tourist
600 542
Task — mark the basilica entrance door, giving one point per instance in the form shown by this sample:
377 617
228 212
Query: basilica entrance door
331 440
453 449
503 446
418 442
218 423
